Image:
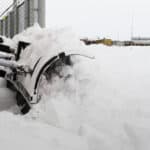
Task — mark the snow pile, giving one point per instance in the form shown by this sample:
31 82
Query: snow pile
103 105
47 43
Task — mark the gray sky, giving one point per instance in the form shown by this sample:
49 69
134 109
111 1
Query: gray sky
4 4
98 18
101 18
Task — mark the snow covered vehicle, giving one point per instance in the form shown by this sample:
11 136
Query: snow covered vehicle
24 79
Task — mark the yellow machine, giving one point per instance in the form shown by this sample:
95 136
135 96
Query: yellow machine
104 41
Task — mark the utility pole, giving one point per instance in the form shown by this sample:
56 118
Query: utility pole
132 25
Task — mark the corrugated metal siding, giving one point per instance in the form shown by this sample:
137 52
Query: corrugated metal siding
22 15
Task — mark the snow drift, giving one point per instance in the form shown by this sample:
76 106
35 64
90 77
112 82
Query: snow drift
103 105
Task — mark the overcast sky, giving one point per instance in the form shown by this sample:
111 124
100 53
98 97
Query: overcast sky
101 18
4 4
115 19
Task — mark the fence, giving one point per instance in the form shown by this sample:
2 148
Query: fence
20 15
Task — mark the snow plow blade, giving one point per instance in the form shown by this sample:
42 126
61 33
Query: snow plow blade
26 69
26 96
23 79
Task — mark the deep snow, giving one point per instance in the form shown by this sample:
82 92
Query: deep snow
104 105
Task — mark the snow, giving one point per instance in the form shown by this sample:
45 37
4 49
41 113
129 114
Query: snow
104 105
17 133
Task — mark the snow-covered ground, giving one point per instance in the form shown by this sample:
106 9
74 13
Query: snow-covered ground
104 105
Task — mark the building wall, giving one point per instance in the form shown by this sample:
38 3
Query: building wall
22 15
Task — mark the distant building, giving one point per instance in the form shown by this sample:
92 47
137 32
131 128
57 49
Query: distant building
140 39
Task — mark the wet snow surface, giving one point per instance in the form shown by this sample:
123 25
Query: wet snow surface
103 105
